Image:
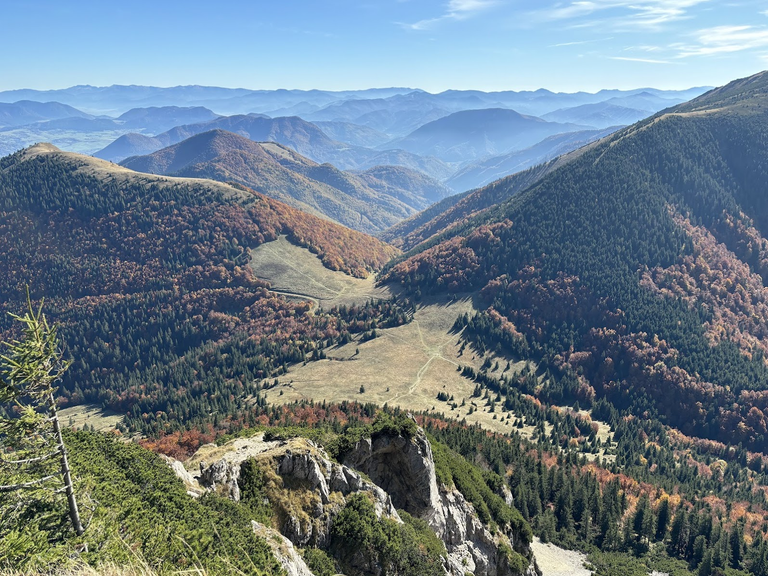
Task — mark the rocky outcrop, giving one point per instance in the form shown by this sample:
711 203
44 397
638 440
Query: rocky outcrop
405 468
190 482
291 561
307 490
221 477
470 545
324 486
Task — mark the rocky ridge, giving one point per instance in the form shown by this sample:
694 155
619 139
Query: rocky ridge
308 490
405 468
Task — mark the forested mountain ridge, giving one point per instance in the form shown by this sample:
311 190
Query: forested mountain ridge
149 277
369 201
304 137
455 210
635 272
487 170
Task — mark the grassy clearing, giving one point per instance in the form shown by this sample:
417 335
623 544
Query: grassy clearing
407 366
296 272
100 420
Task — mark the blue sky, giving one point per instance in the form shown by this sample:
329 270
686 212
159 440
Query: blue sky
562 45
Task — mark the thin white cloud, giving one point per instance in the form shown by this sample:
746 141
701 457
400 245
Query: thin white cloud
579 42
643 48
724 40
622 13
644 60
454 10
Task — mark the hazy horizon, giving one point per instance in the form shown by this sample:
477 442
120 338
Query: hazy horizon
362 89
337 45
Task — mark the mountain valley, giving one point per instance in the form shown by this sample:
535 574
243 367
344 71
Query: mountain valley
486 333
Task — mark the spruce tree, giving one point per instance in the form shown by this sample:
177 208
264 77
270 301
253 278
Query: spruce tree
33 458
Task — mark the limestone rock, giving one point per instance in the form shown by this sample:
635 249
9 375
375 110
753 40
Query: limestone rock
284 551
405 469
190 482
222 477
309 491
402 467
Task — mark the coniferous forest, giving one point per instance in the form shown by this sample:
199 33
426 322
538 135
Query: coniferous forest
623 287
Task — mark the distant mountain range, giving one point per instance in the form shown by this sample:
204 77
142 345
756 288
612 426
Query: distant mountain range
464 138
27 112
347 106
302 136
471 134
369 201
634 268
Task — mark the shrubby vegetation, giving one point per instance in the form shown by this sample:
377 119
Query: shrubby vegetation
360 540
134 508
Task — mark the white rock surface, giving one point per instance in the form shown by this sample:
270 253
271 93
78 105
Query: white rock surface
284 551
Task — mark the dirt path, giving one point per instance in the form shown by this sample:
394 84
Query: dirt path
434 353
303 297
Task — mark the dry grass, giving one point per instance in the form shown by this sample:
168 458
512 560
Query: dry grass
296 272
78 416
405 366
135 569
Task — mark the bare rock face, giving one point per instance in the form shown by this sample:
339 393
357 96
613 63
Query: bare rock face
326 485
405 469
221 477
308 490
282 548
190 482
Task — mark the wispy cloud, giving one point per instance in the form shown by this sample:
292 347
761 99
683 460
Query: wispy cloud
644 60
724 40
579 42
621 13
454 10
643 48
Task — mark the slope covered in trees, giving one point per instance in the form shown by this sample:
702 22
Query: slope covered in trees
455 210
149 276
604 269
138 515
369 201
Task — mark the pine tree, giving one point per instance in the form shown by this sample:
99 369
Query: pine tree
662 519
30 434
705 568
735 544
